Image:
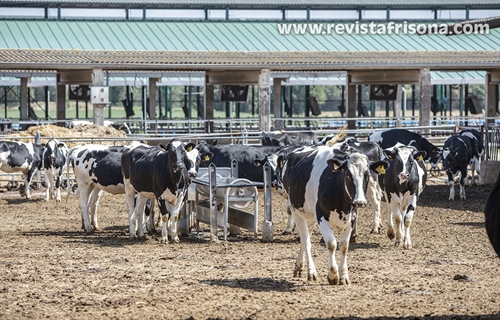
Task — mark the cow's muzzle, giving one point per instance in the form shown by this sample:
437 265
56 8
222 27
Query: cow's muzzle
359 203
404 176
178 167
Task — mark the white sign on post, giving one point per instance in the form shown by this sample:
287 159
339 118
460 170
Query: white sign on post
99 95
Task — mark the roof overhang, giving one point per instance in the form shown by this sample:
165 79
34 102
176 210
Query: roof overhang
19 59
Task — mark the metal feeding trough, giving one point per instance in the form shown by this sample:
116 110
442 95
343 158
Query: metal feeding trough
220 199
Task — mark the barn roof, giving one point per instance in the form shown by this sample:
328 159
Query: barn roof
197 45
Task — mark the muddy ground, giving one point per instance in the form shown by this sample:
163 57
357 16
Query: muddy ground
50 269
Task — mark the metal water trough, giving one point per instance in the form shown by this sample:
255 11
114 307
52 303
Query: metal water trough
219 198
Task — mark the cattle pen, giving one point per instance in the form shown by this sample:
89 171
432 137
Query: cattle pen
51 268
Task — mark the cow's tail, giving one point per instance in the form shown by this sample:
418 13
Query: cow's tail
68 160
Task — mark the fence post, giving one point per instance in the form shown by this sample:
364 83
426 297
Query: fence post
38 140
267 224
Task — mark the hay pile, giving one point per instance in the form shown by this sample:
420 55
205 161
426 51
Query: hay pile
50 131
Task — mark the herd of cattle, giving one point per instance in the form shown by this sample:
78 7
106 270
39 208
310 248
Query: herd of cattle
323 181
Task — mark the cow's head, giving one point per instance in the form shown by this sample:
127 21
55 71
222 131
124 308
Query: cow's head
196 154
271 159
402 158
176 154
52 150
435 157
356 167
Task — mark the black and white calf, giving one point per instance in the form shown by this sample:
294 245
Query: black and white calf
97 168
389 138
457 154
325 185
54 156
492 215
21 157
476 141
402 184
156 173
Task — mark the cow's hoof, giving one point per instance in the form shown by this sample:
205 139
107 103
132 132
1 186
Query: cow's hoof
333 281
353 238
390 234
297 272
344 281
164 240
312 276
407 246
286 232
375 230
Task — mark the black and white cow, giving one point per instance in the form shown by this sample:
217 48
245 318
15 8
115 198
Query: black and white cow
21 157
492 216
402 183
373 192
278 138
457 154
476 141
389 138
54 156
156 173
97 168
245 156
325 185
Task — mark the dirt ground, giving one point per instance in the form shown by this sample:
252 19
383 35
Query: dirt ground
49 268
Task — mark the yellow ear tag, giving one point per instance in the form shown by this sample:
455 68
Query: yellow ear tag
381 170
420 158
206 158
190 148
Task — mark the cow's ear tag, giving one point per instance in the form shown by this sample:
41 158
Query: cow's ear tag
420 158
190 148
456 153
381 169
207 157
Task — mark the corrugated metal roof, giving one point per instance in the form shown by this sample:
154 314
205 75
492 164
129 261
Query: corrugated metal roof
273 3
217 36
192 45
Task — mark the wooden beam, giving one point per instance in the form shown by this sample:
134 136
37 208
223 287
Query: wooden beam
23 99
490 98
397 106
264 100
425 98
351 103
278 124
60 101
152 100
98 109
208 106
233 77
385 77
